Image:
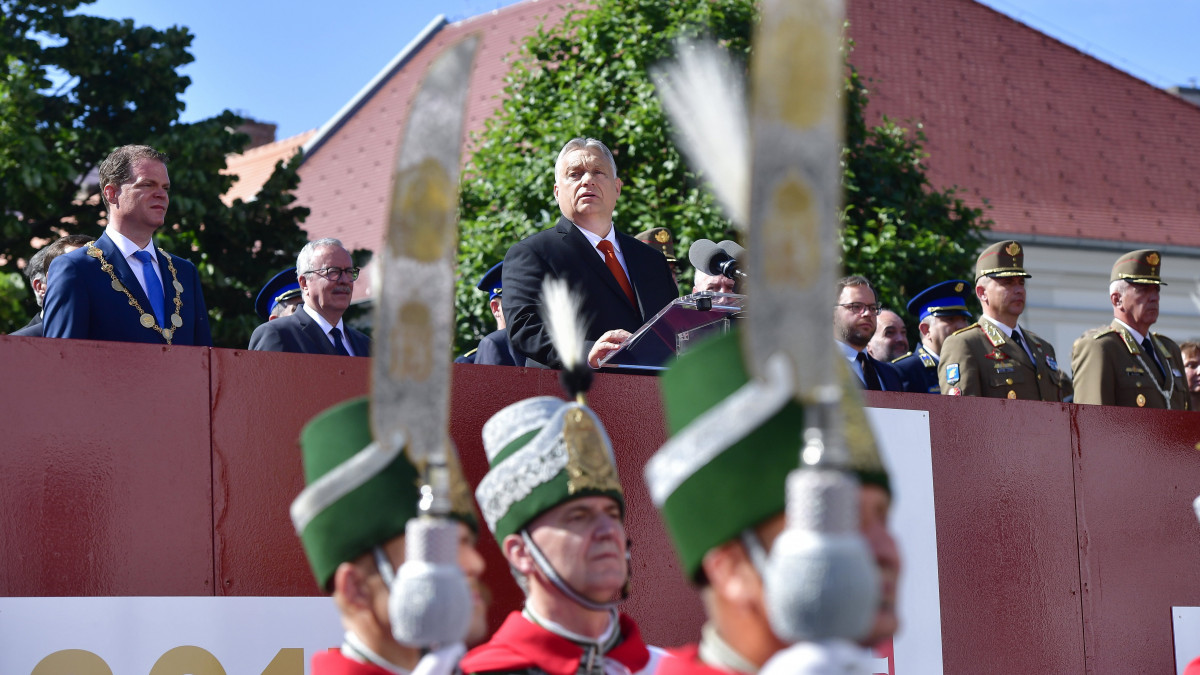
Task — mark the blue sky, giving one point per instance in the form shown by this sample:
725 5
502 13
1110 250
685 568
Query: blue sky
296 63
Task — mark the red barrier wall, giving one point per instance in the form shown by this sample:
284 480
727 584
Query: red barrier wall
1065 533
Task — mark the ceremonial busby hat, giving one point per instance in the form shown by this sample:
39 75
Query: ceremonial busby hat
1002 259
358 494
734 440
543 452
282 286
1139 267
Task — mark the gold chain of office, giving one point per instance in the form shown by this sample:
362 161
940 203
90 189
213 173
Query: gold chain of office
147 319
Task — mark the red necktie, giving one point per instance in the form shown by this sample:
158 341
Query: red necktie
614 266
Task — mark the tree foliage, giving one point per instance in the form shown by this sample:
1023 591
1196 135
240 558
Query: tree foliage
587 76
72 88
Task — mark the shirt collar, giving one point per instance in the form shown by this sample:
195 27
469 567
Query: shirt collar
1137 337
325 325
1003 329
850 352
127 247
595 239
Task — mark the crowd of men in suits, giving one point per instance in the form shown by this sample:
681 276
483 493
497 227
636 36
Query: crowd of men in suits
121 287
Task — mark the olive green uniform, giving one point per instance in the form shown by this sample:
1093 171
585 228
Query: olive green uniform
979 361
1111 368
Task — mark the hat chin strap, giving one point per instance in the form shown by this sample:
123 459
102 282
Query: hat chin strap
547 569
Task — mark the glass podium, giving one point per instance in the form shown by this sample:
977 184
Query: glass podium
680 324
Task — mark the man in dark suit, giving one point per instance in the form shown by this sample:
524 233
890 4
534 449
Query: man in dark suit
854 316
36 270
495 349
121 287
326 275
621 282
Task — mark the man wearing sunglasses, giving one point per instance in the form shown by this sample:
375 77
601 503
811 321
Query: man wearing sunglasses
326 275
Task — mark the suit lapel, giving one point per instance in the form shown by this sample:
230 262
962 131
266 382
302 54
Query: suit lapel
168 285
583 250
313 331
123 271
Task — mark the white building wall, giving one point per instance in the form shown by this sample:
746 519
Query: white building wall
1068 294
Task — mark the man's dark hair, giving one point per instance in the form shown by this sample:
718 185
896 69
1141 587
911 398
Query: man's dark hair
853 280
39 263
117 168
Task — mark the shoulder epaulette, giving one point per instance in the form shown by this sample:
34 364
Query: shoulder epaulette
898 358
1102 333
963 330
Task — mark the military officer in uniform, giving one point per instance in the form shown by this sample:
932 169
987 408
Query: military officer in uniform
942 310
1126 364
995 357
555 505
351 519
659 239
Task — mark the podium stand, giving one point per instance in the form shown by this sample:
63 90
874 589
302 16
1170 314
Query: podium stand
685 321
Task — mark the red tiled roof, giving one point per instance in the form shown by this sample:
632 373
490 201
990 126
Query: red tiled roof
347 180
256 165
1060 144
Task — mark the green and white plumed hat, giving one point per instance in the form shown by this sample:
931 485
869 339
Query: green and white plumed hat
734 440
358 493
545 451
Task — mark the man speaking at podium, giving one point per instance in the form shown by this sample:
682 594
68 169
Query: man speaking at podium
621 282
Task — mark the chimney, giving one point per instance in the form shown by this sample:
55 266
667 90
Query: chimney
260 133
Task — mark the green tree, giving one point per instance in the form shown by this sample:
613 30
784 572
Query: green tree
72 88
587 76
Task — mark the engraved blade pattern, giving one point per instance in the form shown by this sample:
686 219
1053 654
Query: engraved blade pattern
414 290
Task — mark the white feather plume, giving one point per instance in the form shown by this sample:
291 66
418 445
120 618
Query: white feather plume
703 94
560 311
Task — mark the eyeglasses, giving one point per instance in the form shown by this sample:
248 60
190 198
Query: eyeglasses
335 273
858 307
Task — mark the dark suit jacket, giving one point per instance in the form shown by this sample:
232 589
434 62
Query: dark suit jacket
31 329
888 375
495 350
562 252
918 371
81 303
300 334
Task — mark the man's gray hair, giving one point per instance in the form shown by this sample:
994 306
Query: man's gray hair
304 259
584 144
39 263
1118 286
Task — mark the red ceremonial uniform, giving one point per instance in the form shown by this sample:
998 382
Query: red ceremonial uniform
521 645
332 662
686 661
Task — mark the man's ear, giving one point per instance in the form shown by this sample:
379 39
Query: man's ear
110 195
303 281
39 287
620 183
924 328
350 587
517 554
730 573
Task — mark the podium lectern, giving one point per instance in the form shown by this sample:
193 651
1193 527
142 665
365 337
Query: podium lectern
679 324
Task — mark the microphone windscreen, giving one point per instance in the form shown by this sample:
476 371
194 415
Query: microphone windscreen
706 256
734 249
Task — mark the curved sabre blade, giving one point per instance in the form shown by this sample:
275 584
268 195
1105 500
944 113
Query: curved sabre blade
414 316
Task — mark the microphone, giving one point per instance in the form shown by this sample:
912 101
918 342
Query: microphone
734 249
711 259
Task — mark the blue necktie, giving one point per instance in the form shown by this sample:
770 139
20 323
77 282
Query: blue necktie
154 289
338 345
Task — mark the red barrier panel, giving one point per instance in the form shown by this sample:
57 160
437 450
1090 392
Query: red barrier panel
1064 533
105 468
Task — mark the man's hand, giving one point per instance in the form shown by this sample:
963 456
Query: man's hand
609 342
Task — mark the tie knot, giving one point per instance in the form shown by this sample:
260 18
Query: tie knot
606 246
861 357
144 256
